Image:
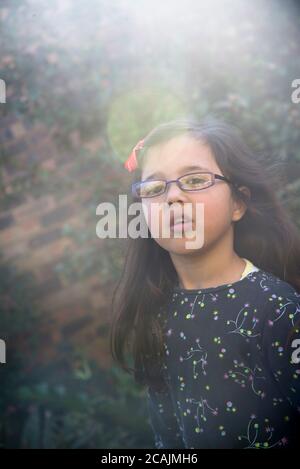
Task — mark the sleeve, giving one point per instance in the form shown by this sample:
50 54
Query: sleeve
281 346
163 420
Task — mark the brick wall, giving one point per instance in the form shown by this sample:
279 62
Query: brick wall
32 237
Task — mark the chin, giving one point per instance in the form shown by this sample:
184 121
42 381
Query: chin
179 245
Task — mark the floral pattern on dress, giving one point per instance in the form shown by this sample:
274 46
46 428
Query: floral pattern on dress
231 380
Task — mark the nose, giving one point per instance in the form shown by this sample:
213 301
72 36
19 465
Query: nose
174 194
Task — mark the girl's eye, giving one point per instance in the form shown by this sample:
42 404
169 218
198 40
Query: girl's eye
195 181
151 188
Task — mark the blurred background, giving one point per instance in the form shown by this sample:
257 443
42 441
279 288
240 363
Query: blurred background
84 81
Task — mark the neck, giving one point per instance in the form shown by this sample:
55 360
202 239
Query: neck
210 266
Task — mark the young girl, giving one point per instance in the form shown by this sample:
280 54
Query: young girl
213 330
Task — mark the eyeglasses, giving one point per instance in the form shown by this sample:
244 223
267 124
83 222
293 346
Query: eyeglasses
188 183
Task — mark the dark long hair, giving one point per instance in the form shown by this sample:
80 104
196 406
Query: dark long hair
266 235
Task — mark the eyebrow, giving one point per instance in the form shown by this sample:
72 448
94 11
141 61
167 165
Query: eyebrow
184 168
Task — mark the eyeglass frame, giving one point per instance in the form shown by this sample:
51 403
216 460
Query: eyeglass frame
214 177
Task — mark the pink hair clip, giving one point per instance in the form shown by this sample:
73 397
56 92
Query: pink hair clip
131 162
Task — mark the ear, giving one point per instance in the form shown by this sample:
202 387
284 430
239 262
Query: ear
239 205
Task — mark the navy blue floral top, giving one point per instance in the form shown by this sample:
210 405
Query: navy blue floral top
231 367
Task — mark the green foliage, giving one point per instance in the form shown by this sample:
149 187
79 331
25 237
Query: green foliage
70 403
96 412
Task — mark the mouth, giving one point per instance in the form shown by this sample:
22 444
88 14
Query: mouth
182 224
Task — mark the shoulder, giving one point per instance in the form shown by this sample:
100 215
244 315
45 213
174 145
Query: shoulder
270 289
277 301
281 309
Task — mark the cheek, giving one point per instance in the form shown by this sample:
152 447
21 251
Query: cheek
217 210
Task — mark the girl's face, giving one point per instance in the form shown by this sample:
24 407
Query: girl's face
172 159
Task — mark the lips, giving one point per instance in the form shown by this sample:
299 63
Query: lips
181 224
182 227
180 220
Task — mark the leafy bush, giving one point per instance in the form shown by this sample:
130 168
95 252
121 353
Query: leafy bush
71 403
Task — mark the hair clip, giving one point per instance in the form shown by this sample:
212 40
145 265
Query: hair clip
131 162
